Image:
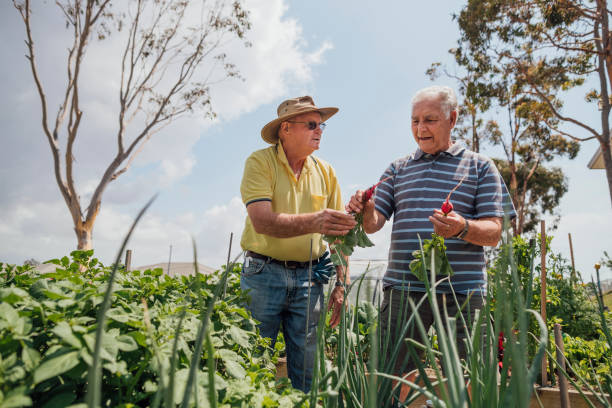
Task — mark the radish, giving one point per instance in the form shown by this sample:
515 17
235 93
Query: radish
370 191
447 206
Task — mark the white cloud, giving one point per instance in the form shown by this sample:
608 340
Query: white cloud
38 230
277 62
214 232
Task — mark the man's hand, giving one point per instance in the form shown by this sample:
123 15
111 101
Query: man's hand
447 226
336 300
373 220
283 225
483 231
332 222
356 204
323 270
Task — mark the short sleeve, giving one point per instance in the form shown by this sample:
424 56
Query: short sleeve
383 198
257 180
492 197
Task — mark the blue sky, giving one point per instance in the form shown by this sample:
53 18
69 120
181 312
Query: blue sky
366 59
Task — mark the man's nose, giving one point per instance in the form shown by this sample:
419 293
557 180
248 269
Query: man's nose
419 127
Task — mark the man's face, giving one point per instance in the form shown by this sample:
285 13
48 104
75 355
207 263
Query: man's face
298 139
430 127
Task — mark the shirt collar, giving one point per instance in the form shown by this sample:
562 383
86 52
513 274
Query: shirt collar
455 149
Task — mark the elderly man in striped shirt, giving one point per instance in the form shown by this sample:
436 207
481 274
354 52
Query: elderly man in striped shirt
417 187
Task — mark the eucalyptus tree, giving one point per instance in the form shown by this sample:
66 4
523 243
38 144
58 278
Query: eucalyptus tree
163 72
551 46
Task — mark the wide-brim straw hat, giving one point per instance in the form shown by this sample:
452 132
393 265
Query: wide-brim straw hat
290 108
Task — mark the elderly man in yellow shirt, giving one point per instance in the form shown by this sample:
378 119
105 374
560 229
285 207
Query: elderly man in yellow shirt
292 198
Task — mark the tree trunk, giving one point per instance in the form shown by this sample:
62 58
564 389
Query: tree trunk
475 141
607 158
605 72
83 232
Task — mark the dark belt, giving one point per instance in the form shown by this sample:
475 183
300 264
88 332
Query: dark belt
286 264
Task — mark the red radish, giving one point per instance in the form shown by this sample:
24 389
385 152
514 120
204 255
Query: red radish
447 206
370 191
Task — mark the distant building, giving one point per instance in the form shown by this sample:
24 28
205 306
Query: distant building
596 161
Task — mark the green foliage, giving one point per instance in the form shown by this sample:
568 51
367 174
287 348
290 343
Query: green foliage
345 245
542 49
422 259
518 254
606 261
570 303
589 359
543 190
48 321
365 319
352 380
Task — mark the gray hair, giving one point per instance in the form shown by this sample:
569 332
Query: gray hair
445 94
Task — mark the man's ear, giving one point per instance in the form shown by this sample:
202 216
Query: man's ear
282 129
453 118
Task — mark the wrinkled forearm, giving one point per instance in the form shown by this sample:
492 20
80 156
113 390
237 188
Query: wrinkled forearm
484 232
280 225
373 220
342 272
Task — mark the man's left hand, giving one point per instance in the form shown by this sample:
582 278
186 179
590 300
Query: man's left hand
447 226
336 300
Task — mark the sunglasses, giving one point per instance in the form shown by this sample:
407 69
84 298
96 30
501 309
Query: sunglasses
312 125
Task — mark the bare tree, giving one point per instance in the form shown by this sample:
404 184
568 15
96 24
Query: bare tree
161 79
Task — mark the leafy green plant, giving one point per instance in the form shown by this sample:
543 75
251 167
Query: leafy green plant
422 262
589 359
356 379
47 337
342 246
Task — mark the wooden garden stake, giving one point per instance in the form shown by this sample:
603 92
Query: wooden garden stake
569 236
560 354
169 261
128 259
229 253
543 295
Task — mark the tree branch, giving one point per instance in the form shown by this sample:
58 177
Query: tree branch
24 11
537 92
578 139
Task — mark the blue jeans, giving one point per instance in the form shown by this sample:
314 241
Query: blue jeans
283 295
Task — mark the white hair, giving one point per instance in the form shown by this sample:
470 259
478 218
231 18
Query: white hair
445 94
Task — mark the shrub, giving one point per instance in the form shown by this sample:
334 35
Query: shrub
48 323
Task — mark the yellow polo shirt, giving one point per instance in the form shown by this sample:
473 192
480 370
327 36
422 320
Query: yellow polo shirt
268 177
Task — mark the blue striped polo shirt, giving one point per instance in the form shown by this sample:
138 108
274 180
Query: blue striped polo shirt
420 184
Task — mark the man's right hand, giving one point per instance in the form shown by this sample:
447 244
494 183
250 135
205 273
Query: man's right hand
332 222
356 204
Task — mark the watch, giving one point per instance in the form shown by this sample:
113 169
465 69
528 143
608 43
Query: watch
464 231
340 283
